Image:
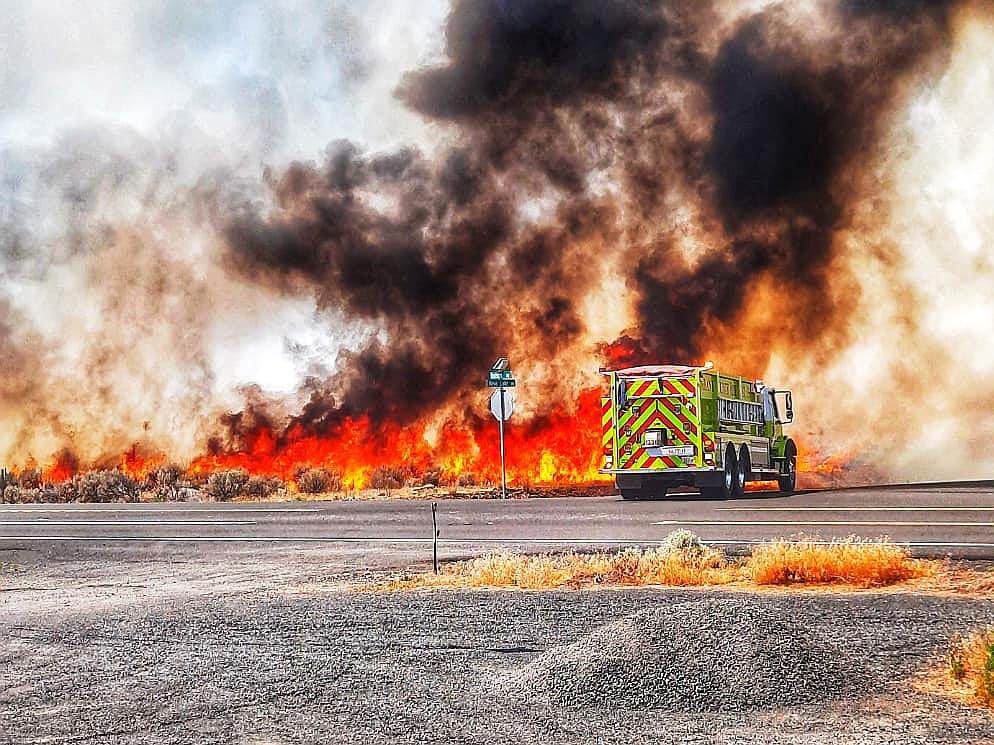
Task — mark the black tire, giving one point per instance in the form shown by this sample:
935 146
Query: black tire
787 480
631 494
727 488
742 469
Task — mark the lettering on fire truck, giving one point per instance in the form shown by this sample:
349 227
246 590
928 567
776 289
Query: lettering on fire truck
739 411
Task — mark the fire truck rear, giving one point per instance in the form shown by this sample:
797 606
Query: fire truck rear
666 426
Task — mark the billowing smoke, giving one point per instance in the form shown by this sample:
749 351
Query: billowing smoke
603 183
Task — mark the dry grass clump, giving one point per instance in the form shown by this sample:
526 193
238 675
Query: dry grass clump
970 664
970 667
665 565
683 560
636 567
851 561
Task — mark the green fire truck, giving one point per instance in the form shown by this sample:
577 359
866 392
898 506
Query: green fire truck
665 426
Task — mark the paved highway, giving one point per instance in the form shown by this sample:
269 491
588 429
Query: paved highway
938 520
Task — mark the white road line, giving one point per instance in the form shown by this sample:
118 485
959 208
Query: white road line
427 541
331 539
855 509
155 511
893 523
45 523
913 544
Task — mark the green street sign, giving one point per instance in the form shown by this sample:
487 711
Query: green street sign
501 383
500 375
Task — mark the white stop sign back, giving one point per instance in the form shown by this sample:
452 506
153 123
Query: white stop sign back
508 403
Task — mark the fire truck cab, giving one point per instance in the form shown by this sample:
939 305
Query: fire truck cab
665 426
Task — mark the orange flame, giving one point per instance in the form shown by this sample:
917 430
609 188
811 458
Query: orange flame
558 448
562 447
139 467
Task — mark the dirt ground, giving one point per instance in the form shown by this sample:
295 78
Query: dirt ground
260 646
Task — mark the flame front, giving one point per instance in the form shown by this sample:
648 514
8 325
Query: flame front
561 447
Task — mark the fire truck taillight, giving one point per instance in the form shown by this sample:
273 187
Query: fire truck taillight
608 461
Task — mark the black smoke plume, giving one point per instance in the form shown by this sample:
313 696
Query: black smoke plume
576 129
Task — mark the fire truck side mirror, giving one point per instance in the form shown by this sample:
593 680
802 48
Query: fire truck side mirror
622 396
785 407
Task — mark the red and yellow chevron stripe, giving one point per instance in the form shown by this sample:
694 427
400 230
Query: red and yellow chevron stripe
668 404
607 428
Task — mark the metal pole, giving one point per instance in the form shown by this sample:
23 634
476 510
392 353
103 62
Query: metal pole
503 471
434 537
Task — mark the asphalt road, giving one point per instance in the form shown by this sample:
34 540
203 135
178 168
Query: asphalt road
935 520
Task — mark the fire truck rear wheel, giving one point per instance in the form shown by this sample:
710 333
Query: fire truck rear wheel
787 480
742 469
727 488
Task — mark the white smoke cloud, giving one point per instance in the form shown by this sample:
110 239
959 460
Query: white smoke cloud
910 390
126 125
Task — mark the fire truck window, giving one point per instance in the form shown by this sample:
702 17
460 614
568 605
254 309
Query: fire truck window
770 413
622 395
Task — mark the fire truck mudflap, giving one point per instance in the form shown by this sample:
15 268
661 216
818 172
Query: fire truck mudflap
667 426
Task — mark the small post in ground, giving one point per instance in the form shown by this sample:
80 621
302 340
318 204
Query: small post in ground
434 537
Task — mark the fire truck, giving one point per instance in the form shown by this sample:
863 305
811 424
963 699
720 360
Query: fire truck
665 426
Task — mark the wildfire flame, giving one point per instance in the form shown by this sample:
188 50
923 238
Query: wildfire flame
555 449
561 447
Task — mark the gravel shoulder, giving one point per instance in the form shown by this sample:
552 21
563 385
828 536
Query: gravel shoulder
267 647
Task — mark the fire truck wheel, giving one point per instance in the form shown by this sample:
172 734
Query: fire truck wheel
727 488
631 494
787 480
742 469
728 477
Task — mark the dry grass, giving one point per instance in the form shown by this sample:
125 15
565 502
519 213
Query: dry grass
851 561
683 561
969 669
632 567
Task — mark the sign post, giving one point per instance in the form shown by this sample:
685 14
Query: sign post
501 406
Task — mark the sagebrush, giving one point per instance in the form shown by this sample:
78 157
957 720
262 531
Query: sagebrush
223 486
318 481
390 477
104 486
